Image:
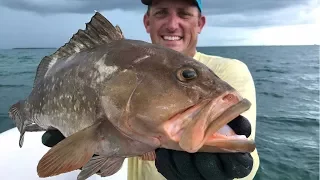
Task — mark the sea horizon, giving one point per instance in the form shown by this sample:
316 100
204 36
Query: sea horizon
204 46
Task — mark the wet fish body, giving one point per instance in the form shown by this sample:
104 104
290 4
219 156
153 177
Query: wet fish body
119 98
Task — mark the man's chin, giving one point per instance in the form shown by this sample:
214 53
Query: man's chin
176 47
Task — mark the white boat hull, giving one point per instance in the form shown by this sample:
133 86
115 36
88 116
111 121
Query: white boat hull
21 163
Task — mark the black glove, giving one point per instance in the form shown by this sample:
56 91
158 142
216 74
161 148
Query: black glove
179 165
52 137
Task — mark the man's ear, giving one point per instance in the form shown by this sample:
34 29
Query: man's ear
146 22
201 23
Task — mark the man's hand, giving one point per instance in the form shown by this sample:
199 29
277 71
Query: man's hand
52 137
179 165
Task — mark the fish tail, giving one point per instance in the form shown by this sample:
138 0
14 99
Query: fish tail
17 114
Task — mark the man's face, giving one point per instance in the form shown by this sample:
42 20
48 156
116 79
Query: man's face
174 24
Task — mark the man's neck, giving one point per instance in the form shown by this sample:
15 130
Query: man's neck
191 53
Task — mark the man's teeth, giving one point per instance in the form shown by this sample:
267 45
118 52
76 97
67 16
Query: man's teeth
171 38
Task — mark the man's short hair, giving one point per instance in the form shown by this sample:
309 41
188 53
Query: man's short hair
197 3
149 6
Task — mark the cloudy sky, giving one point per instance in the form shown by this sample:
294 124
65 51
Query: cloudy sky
50 23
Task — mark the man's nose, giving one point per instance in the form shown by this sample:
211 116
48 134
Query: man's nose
173 22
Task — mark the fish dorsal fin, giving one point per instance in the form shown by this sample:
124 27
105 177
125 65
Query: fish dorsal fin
98 31
119 30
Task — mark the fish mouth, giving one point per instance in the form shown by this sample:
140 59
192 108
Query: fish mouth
206 124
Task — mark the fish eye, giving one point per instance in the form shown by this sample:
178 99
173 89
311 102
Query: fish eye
186 74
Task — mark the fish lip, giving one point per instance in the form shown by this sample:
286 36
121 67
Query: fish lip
192 126
232 112
179 127
177 117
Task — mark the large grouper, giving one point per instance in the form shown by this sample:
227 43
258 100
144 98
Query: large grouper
114 98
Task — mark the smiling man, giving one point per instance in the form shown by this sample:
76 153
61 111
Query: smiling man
176 24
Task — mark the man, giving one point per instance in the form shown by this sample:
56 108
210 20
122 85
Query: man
176 24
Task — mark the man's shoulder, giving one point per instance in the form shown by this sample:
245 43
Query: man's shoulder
212 60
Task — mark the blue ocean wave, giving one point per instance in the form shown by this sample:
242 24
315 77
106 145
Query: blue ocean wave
12 85
270 70
6 74
272 94
289 119
3 56
25 57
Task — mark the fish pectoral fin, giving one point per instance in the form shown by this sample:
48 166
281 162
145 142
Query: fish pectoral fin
104 166
92 167
71 153
112 166
149 156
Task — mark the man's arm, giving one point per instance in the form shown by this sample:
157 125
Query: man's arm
237 74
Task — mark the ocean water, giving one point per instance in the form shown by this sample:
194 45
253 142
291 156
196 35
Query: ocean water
287 85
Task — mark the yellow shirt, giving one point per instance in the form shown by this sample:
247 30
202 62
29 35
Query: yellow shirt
237 74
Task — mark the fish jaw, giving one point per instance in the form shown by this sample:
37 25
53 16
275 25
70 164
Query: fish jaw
229 143
203 123
225 138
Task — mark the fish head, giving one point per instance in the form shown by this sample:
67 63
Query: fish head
176 100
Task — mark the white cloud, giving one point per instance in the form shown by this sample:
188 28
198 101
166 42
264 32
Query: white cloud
28 29
302 14
287 35
209 6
